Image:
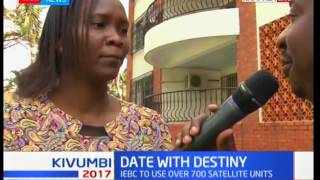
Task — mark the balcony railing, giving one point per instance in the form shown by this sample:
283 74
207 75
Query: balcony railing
162 10
180 106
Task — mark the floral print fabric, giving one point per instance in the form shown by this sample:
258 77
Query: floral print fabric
38 125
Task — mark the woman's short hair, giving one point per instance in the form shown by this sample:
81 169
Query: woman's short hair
62 43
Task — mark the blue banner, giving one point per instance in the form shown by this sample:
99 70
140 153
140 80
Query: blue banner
204 165
55 2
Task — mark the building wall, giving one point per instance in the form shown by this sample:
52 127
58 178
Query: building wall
229 70
137 66
175 79
192 26
279 127
157 79
140 66
263 12
287 121
247 64
185 104
175 129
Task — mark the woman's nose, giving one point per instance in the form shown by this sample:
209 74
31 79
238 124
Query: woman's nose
114 37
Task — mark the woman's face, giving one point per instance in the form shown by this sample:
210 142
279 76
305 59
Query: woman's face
107 40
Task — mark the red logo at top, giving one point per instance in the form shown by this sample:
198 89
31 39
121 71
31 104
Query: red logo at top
284 0
29 1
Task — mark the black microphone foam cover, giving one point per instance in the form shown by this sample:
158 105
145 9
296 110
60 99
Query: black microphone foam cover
255 91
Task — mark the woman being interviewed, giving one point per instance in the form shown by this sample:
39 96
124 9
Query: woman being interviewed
61 102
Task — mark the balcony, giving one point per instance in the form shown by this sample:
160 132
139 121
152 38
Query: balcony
163 10
181 106
174 33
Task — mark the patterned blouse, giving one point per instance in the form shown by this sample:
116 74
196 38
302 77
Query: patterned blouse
38 125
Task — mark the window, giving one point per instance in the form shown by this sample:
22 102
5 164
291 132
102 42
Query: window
228 85
229 80
141 88
138 34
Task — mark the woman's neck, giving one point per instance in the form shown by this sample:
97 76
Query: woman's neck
86 94
85 100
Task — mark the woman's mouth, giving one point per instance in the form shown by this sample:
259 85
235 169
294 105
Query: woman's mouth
111 61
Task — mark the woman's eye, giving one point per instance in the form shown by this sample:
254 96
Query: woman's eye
98 25
124 30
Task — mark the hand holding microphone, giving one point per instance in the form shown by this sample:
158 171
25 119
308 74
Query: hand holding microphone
224 142
248 97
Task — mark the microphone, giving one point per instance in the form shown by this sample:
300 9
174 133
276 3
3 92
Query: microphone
248 97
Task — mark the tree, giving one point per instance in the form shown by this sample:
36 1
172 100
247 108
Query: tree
10 83
27 27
